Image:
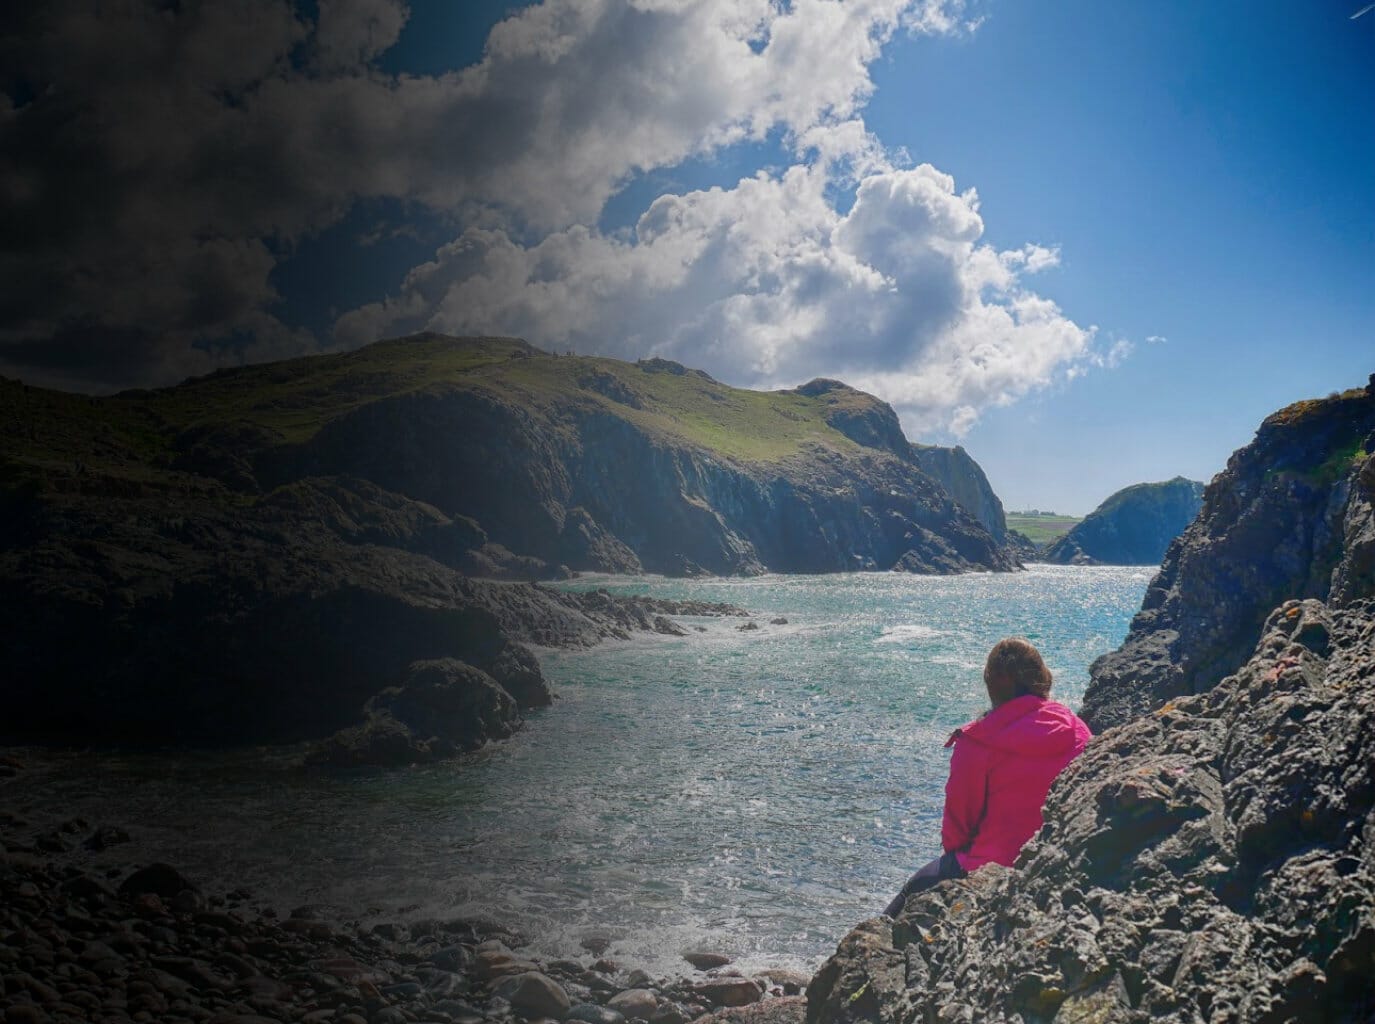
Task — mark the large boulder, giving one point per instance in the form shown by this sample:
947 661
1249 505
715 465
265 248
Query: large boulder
443 707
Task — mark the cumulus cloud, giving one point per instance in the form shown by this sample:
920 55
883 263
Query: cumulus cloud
768 283
159 159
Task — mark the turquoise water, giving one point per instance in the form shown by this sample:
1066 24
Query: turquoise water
757 792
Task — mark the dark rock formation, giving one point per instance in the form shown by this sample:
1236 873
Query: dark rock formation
1134 526
1212 856
1214 860
168 615
1290 517
255 556
157 947
442 707
956 471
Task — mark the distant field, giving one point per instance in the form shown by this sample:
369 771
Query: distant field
1041 529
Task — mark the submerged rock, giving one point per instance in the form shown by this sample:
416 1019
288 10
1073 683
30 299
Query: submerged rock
704 960
159 879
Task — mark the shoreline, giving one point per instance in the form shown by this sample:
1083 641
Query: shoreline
136 940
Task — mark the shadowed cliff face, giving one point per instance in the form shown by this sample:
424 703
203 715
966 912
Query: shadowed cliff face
1135 526
608 466
1210 857
172 617
1284 520
958 473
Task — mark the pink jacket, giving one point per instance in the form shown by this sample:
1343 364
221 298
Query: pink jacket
1000 771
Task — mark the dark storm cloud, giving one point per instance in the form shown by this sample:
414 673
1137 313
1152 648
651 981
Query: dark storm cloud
157 159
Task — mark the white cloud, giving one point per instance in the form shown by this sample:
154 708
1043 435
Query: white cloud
769 284
165 146
192 146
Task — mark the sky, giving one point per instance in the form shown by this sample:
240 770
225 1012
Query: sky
1094 243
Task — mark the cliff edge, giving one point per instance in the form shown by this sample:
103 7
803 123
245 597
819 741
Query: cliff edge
1288 518
286 551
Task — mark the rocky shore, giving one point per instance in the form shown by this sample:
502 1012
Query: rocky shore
1211 856
1211 861
88 944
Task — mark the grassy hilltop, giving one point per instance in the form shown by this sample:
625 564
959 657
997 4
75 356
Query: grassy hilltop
135 434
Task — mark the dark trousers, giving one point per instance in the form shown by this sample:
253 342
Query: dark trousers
947 865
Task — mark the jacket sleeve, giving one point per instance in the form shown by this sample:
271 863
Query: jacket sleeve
966 795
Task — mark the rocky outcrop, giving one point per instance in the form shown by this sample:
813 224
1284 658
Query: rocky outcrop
167 616
1134 526
1290 517
441 708
1211 855
157 946
1214 860
956 471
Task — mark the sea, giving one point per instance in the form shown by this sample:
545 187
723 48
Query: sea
755 792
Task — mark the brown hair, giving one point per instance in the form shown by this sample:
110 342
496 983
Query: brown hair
1015 669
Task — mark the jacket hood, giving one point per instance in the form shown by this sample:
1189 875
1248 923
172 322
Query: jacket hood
1027 725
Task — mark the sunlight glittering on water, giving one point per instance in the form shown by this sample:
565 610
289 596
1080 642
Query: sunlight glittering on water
758 792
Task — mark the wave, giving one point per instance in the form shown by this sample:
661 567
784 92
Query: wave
910 633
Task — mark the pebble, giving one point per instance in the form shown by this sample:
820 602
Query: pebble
451 958
634 1003
591 1013
668 1013
25 1014
728 991
105 837
536 994
157 949
705 961
790 982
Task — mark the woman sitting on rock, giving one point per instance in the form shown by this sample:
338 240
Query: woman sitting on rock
1001 768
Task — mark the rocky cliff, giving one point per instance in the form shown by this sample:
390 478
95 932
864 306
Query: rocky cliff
1134 526
1290 517
1211 856
598 464
278 552
956 471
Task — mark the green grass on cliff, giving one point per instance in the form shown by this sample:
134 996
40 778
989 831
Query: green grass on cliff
1041 529
689 407
135 434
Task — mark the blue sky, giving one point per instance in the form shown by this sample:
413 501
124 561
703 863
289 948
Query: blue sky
1093 243
1208 172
